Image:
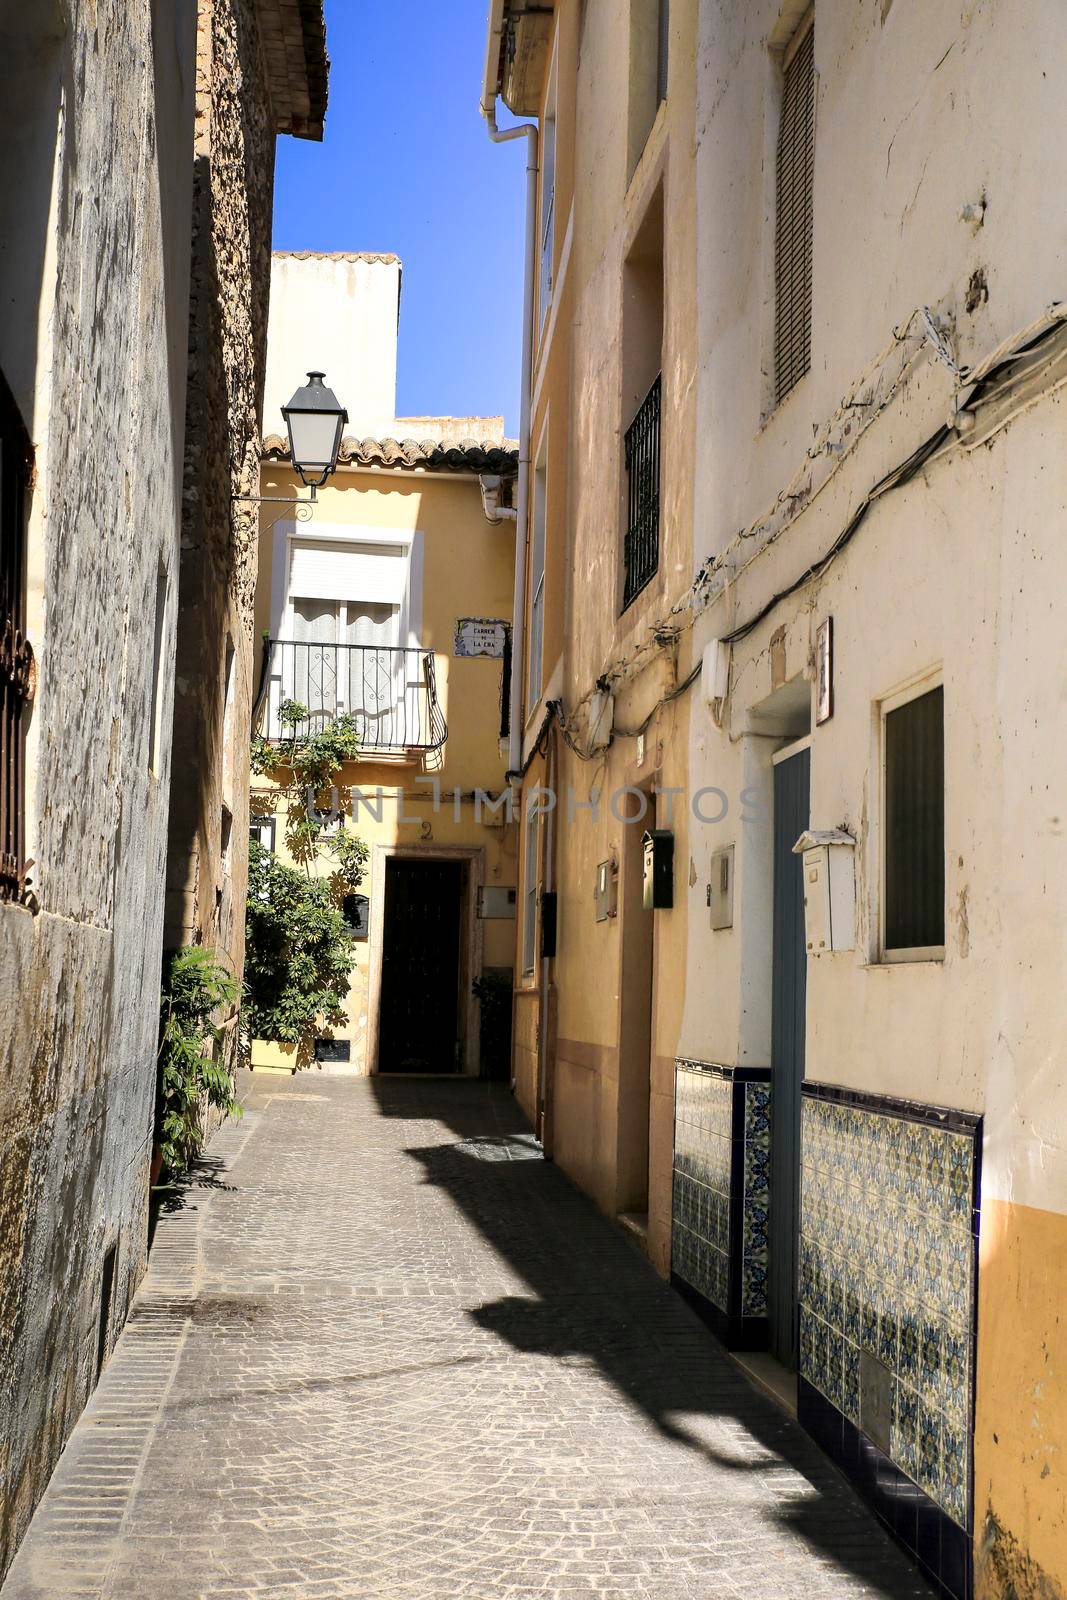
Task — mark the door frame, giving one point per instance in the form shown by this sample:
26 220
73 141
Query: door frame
470 944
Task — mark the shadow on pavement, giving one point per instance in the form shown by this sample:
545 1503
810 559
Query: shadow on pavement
594 1299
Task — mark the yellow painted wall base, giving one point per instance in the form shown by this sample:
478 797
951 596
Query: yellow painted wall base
1020 1469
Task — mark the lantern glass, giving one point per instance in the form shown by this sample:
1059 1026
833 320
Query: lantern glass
314 419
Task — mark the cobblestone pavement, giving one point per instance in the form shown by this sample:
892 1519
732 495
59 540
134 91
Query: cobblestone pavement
386 1351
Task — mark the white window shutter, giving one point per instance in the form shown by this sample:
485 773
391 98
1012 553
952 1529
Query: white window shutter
329 570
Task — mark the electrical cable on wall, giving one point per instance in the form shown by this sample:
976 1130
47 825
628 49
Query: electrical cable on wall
987 381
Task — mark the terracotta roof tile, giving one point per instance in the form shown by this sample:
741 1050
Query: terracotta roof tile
427 455
384 257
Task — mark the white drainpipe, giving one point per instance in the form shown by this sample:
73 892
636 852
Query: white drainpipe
527 130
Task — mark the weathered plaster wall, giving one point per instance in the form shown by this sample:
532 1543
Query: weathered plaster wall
336 314
606 1098
234 175
103 310
918 117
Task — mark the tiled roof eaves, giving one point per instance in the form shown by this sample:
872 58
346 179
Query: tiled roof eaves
383 258
428 456
293 33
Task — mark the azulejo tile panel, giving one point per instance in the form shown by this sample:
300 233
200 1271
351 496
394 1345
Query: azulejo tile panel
703 1169
755 1210
721 1211
887 1273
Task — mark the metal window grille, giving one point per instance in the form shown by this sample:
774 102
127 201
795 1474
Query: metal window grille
16 655
793 240
915 824
641 549
664 35
390 692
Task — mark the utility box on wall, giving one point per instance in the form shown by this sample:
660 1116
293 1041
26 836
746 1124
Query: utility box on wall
721 888
658 884
496 903
828 859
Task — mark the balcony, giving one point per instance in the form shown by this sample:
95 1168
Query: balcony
641 543
390 691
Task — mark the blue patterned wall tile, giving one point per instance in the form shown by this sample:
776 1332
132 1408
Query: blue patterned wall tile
753 1288
910 1342
909 1277
959 1190
889 1330
853 1302
835 1368
955 1375
954 1478
869 1329
957 1284
835 1292
930 1359
904 1429
929 1465
887 1265
806 1348
851 1382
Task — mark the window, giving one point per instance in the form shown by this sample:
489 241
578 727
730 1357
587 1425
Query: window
649 28
662 52
642 363
16 666
548 197
535 665
529 917
155 742
913 811
641 552
261 829
229 675
795 176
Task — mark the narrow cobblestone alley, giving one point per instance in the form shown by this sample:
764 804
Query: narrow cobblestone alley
385 1350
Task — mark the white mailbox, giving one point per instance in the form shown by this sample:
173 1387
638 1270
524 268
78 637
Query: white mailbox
828 858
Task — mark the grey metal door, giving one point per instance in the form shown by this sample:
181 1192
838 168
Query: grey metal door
789 976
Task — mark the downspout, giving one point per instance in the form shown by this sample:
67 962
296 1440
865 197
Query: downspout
527 130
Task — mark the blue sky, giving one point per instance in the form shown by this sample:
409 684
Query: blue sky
407 166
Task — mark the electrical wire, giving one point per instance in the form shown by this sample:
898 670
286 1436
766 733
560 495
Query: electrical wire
987 381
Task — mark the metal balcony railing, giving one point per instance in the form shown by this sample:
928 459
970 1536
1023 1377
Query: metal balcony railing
390 691
641 544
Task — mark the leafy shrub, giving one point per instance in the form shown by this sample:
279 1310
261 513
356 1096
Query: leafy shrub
298 953
195 986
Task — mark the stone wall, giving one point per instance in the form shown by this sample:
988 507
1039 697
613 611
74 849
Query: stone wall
94 294
217 660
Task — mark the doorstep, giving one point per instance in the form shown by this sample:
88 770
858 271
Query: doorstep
768 1375
635 1225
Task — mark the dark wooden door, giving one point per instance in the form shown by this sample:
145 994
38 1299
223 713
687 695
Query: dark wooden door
418 1029
789 985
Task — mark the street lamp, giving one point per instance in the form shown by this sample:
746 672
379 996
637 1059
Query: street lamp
314 418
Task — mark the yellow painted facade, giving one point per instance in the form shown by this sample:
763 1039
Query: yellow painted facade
596 1026
408 804
1020 1465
